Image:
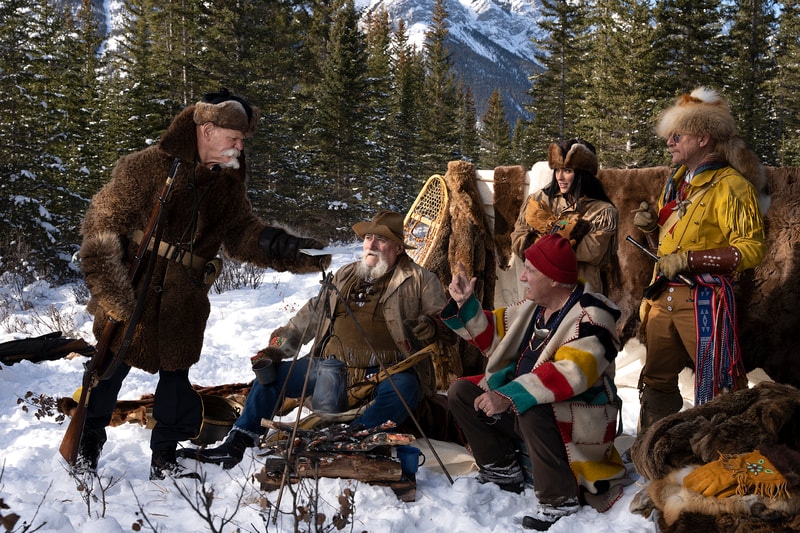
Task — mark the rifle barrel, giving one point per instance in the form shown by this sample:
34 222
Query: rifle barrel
72 437
683 278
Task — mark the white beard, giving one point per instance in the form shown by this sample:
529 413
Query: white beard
365 271
233 153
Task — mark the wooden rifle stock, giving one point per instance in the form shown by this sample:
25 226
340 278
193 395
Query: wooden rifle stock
100 361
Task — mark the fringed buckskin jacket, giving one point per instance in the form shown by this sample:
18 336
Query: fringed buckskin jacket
594 248
206 209
574 373
412 291
724 211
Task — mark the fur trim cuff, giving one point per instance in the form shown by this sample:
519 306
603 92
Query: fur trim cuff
106 276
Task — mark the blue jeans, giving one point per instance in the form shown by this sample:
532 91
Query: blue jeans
262 398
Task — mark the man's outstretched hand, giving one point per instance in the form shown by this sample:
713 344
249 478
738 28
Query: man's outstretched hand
461 288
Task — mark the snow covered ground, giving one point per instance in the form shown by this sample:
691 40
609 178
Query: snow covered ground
36 486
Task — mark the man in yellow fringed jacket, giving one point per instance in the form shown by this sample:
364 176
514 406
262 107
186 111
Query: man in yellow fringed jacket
708 226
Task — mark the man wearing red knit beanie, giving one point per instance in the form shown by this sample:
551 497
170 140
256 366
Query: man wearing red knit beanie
549 381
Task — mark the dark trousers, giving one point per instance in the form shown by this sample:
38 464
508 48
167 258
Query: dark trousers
177 407
494 440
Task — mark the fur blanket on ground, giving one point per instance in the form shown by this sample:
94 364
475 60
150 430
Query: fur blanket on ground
732 423
766 417
684 510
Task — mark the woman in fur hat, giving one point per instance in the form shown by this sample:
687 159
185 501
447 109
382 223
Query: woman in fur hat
574 205
707 226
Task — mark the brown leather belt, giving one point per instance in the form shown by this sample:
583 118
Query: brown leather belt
173 253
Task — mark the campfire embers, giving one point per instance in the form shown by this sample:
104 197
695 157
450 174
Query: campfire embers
339 451
341 438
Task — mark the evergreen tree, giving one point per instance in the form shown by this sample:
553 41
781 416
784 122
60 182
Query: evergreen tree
45 130
378 122
785 85
618 107
20 152
495 134
470 143
441 102
343 171
137 108
408 78
687 47
752 70
557 91
522 150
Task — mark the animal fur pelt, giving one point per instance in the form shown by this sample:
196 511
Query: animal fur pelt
767 296
732 423
684 510
627 189
466 237
471 239
766 418
509 184
139 411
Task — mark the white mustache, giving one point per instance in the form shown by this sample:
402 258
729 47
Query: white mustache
233 162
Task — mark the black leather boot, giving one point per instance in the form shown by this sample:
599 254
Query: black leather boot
165 463
655 405
91 445
228 454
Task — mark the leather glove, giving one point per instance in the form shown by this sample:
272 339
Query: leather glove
711 480
279 245
270 352
539 216
645 218
422 327
741 474
672 264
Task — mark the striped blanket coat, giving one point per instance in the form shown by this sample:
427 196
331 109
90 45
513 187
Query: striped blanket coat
574 373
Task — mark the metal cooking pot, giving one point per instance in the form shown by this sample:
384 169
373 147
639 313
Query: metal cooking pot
330 391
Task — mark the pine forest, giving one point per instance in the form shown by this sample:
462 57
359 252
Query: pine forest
353 117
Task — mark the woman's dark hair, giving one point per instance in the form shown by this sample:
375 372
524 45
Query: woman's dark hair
584 184
223 95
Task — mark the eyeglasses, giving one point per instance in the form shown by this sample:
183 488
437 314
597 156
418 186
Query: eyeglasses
675 138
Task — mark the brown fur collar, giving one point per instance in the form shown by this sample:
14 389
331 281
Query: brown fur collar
180 139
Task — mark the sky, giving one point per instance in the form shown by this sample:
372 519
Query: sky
36 484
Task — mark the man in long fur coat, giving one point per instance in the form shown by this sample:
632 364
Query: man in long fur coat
207 208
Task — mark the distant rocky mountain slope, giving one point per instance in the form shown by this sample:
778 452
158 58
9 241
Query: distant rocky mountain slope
490 40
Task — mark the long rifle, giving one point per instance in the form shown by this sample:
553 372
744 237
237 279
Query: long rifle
686 280
104 361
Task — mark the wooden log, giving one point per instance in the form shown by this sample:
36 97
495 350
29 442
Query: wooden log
360 466
404 489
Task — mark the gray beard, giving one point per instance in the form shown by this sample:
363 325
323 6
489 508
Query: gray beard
369 273
233 153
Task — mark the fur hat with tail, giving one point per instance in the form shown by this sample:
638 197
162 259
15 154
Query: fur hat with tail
705 112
